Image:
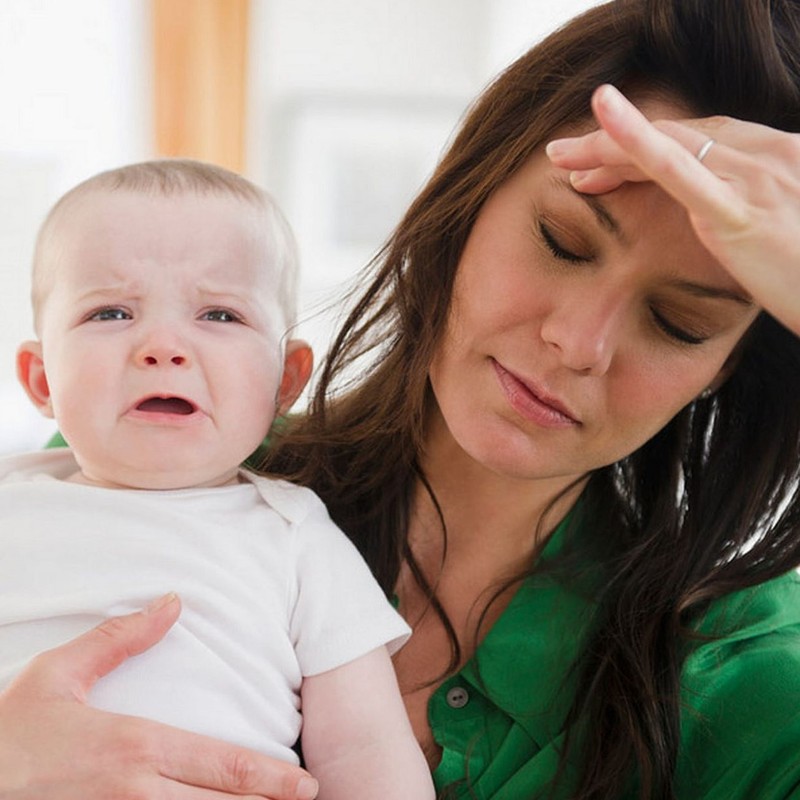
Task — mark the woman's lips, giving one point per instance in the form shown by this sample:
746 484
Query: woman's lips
532 403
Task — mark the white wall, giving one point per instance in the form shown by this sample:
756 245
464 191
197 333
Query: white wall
514 25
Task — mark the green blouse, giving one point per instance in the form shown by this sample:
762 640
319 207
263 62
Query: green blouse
500 723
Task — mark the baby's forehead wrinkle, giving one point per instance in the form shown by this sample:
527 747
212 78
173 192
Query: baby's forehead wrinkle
111 288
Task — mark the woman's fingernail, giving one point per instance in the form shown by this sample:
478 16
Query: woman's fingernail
161 602
554 149
578 176
307 788
611 97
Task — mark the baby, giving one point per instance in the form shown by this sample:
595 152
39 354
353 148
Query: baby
162 293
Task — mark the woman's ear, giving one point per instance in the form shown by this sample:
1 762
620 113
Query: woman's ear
297 365
31 374
725 371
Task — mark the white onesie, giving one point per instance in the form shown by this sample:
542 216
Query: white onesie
272 591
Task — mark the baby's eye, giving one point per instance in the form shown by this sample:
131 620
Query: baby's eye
220 315
110 313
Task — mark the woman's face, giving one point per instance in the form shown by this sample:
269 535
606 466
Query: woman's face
579 325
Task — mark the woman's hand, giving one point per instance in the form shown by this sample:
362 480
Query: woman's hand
54 747
743 198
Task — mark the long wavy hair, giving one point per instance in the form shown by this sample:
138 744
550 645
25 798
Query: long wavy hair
710 504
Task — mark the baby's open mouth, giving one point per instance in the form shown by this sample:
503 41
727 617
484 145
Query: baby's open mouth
166 405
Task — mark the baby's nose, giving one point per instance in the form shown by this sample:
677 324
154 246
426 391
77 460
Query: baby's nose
162 349
152 359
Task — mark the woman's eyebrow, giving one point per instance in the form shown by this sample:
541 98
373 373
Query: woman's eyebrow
714 292
604 217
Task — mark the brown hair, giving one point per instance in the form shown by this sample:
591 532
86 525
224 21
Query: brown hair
710 504
167 178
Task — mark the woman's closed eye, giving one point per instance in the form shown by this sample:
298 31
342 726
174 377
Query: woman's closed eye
678 332
561 252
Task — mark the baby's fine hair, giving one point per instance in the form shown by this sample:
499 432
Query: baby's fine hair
177 176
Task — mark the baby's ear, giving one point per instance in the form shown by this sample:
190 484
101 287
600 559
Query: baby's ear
297 365
30 372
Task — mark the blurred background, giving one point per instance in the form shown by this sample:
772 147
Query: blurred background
340 108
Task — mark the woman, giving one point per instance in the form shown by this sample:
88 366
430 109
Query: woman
575 448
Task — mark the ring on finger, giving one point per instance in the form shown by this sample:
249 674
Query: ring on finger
703 151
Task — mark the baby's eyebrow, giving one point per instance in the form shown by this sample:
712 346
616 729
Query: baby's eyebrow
217 291
230 294
109 290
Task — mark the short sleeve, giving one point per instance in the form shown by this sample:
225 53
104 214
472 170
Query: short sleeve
765 764
741 703
339 611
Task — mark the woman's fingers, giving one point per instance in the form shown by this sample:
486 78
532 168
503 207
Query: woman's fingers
629 147
742 198
200 761
668 157
77 751
113 786
54 747
42 713
600 180
72 669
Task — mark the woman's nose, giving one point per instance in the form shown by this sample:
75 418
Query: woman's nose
585 331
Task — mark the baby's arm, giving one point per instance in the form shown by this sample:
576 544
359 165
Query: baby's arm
357 740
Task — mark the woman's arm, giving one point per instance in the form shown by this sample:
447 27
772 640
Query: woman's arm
55 747
357 740
743 198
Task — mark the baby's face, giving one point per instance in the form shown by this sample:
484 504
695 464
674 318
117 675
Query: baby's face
161 336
